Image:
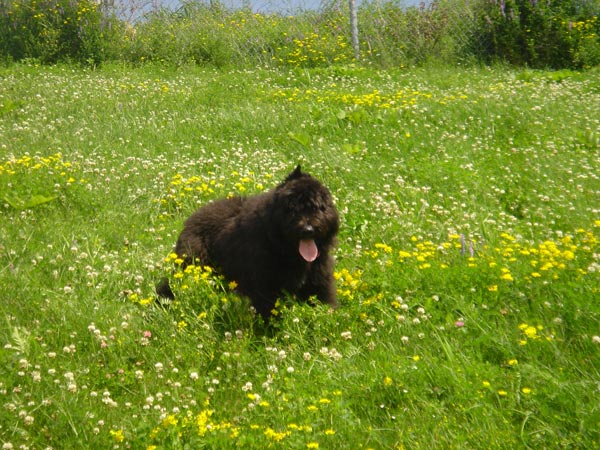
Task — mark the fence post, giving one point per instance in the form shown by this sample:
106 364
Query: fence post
354 28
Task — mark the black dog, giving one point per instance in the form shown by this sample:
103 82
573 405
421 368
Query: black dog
279 241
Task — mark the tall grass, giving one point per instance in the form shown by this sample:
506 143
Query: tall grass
563 34
467 268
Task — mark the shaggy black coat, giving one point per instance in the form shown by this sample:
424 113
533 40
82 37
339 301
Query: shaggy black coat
279 241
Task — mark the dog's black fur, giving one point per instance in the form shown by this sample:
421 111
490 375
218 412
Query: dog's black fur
279 241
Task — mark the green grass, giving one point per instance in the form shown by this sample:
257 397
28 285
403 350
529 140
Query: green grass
468 264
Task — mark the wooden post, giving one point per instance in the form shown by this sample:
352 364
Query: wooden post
354 28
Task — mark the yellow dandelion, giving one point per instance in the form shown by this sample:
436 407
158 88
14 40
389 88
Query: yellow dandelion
384 247
506 277
170 420
270 433
117 435
531 332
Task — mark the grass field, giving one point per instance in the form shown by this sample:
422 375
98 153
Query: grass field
468 266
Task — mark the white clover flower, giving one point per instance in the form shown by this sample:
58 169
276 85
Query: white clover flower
335 355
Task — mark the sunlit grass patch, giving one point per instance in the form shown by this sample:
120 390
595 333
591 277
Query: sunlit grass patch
467 265
30 181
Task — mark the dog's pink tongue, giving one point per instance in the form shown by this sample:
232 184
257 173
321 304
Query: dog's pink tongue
308 250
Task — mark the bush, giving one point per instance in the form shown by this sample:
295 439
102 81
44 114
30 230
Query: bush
543 34
56 30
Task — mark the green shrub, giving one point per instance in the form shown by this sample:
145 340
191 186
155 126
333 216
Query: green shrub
56 30
585 42
555 34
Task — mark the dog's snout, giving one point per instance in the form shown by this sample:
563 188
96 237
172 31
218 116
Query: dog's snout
307 230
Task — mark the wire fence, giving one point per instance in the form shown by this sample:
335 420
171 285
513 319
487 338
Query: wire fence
303 32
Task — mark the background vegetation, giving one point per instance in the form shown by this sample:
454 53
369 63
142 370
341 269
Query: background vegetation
468 268
556 34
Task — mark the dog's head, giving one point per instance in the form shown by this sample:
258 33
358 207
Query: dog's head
304 214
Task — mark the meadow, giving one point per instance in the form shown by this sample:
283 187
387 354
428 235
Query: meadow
468 266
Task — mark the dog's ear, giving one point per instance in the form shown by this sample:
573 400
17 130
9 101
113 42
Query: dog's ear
297 173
